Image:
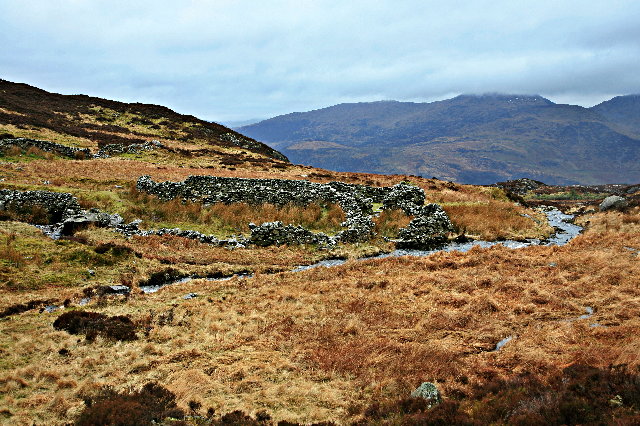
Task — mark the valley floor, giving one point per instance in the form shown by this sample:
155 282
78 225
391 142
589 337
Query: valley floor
325 344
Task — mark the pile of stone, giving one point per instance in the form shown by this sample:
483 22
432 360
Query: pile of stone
427 229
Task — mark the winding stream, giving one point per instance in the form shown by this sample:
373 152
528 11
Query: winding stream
565 231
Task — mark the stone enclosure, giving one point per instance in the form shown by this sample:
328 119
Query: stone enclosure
427 229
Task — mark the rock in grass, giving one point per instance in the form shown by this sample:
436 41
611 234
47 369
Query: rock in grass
613 202
428 391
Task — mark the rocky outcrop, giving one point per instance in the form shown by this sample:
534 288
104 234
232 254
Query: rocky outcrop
56 148
613 202
520 186
428 391
84 218
241 142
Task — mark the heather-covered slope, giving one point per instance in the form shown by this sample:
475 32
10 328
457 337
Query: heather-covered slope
471 139
27 111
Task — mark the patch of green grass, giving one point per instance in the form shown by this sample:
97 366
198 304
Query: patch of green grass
30 260
565 195
19 158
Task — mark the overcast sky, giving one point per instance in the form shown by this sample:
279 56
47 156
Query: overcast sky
224 60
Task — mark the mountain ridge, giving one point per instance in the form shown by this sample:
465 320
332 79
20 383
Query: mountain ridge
470 139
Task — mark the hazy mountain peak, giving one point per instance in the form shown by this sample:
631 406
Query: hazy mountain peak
509 98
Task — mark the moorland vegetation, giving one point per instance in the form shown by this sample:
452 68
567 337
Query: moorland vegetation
345 344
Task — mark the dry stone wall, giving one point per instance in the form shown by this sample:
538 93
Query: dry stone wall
79 153
58 206
56 148
429 226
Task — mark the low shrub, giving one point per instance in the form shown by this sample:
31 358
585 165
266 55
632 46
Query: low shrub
150 405
93 324
580 394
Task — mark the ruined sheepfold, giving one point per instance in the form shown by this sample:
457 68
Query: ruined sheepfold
428 228
60 214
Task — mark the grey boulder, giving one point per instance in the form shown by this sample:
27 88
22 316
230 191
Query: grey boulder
428 391
613 202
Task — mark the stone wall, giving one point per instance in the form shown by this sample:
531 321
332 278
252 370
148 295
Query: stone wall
134 148
56 148
79 153
429 226
58 205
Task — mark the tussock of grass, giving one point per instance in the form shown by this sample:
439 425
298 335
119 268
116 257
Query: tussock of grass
227 219
497 220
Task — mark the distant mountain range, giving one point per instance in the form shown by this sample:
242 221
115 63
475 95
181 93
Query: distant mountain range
469 139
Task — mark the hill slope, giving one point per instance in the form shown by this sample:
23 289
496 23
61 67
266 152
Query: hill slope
471 139
86 121
242 334
623 111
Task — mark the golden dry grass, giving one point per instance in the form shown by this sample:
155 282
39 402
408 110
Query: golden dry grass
321 344
226 219
311 346
497 220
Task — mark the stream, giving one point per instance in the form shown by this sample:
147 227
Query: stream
565 231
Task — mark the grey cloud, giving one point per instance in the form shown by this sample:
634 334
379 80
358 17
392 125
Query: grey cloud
231 60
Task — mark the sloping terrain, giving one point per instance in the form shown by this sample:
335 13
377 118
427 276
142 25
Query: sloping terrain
242 335
85 121
623 111
469 139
